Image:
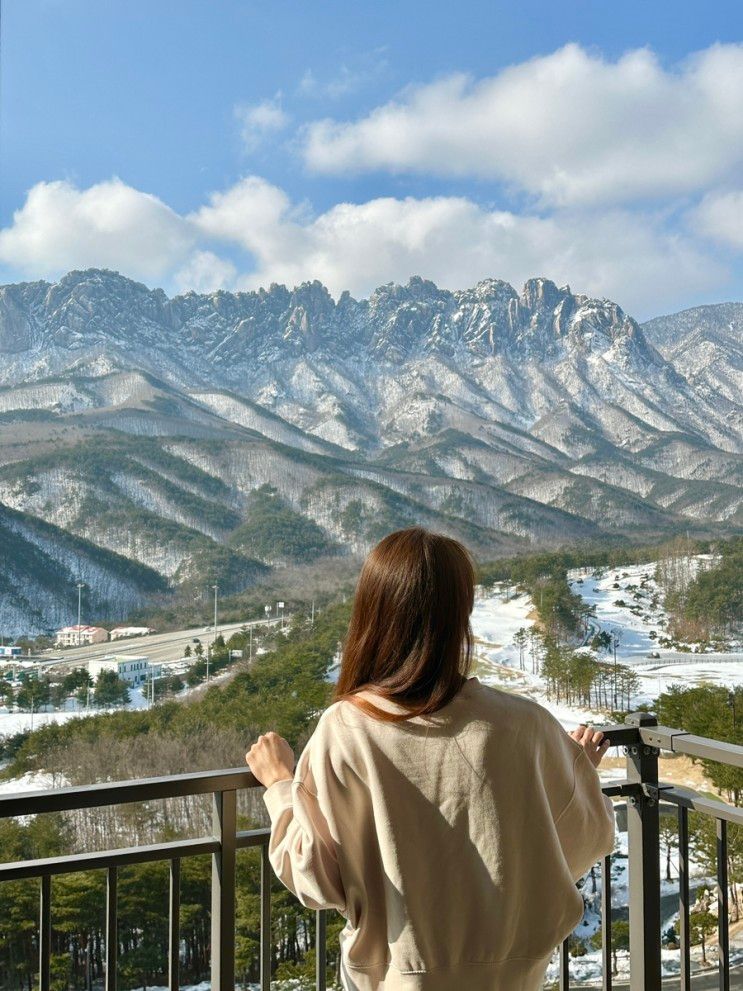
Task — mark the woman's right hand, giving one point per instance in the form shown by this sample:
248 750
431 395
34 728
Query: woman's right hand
593 742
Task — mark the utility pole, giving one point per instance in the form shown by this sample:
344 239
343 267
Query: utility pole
280 605
250 648
208 648
80 587
313 612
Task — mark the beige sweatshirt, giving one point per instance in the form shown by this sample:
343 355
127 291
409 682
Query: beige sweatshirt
450 843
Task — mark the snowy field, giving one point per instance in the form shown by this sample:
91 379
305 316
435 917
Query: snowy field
496 619
20 722
637 588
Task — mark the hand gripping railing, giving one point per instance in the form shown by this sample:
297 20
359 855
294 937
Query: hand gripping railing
642 740
223 844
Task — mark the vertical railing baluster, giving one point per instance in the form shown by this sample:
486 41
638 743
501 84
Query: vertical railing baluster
684 906
723 935
45 932
174 926
606 922
224 827
565 965
321 956
112 928
265 975
643 842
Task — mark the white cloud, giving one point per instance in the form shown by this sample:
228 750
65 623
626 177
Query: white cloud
625 256
108 225
631 257
569 127
720 216
357 72
205 272
260 120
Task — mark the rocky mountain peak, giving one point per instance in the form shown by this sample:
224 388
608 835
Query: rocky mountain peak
97 308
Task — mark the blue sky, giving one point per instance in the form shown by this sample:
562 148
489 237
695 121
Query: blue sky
231 143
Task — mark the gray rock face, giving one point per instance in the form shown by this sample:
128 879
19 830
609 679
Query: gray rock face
526 352
99 308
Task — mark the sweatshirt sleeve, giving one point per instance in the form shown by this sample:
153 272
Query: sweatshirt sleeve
585 827
301 849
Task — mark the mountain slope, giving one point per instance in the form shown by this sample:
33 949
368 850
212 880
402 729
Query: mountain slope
704 343
177 432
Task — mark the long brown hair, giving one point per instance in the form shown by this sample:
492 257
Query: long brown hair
409 639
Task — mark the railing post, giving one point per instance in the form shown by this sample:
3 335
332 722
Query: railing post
265 974
224 824
644 860
45 932
174 926
112 928
606 955
321 955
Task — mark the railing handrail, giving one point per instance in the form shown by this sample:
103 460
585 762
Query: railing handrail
124 792
108 793
675 741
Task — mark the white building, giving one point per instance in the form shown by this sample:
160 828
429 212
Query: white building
120 632
71 636
133 669
11 652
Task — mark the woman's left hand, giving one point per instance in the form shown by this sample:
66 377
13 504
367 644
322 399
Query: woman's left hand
271 759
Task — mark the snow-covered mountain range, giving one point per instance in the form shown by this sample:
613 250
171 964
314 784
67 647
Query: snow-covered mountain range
163 431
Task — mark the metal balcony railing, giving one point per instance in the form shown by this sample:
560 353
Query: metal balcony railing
223 845
641 738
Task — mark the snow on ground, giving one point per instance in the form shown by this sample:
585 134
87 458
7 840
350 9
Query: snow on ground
637 589
20 722
638 624
496 618
32 781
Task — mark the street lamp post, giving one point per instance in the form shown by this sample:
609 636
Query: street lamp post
214 633
80 587
615 642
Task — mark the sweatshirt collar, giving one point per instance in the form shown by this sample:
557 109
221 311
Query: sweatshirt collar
389 705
